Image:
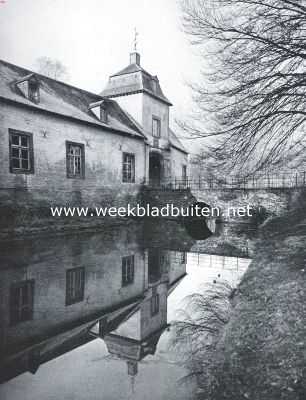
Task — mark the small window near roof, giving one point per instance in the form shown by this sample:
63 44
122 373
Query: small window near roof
29 87
33 91
103 114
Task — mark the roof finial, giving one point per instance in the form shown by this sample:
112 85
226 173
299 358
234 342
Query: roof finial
135 39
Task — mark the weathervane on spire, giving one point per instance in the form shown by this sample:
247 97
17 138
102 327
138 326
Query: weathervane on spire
135 39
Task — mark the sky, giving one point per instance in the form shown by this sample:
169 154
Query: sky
93 39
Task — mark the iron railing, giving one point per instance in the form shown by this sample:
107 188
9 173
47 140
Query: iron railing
266 181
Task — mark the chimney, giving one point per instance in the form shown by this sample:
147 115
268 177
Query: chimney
135 58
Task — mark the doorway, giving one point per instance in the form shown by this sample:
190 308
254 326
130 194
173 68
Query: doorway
155 169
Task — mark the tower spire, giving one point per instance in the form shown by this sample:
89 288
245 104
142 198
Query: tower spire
134 55
135 39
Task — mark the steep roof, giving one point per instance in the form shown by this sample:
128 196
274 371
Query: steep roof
134 79
175 142
64 100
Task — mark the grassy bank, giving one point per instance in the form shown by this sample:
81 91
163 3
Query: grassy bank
262 352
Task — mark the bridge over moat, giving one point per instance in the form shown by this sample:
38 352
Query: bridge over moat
273 192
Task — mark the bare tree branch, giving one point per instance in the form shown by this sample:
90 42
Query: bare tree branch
253 96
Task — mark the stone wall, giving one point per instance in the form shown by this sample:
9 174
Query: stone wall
46 261
274 201
160 198
25 198
103 157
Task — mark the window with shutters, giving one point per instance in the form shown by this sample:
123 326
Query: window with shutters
128 168
75 282
75 158
127 270
21 301
21 152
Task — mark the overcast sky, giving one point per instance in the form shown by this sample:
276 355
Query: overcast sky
93 39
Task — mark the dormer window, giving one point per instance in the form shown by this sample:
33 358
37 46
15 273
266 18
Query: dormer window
33 91
103 114
29 87
100 110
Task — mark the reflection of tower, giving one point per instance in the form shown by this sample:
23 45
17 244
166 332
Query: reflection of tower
132 368
138 334
132 372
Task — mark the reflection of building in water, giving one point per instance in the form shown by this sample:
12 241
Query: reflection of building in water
225 267
52 292
216 261
139 332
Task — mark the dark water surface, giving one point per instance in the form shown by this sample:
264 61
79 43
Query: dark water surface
89 316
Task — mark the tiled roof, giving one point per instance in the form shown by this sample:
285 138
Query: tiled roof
130 69
134 79
175 142
63 99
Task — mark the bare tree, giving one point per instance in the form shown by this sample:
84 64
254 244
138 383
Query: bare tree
252 96
198 330
52 68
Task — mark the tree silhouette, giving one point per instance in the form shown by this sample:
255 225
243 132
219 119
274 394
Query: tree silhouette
251 98
52 68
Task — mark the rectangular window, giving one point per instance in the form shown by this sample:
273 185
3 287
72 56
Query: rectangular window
21 152
75 282
155 127
128 168
184 172
21 301
103 115
75 156
33 92
127 270
155 304
183 258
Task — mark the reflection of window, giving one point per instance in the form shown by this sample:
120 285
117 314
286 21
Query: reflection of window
183 258
75 155
21 301
21 152
75 280
127 270
155 304
156 127
128 168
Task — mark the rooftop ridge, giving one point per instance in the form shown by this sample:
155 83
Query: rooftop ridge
28 71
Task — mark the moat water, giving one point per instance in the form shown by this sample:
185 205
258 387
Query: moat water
92 316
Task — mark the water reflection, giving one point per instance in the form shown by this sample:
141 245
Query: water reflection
96 305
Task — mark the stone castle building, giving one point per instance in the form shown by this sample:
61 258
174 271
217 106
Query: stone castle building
61 144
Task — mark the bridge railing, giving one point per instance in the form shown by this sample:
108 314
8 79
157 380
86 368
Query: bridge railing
266 181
